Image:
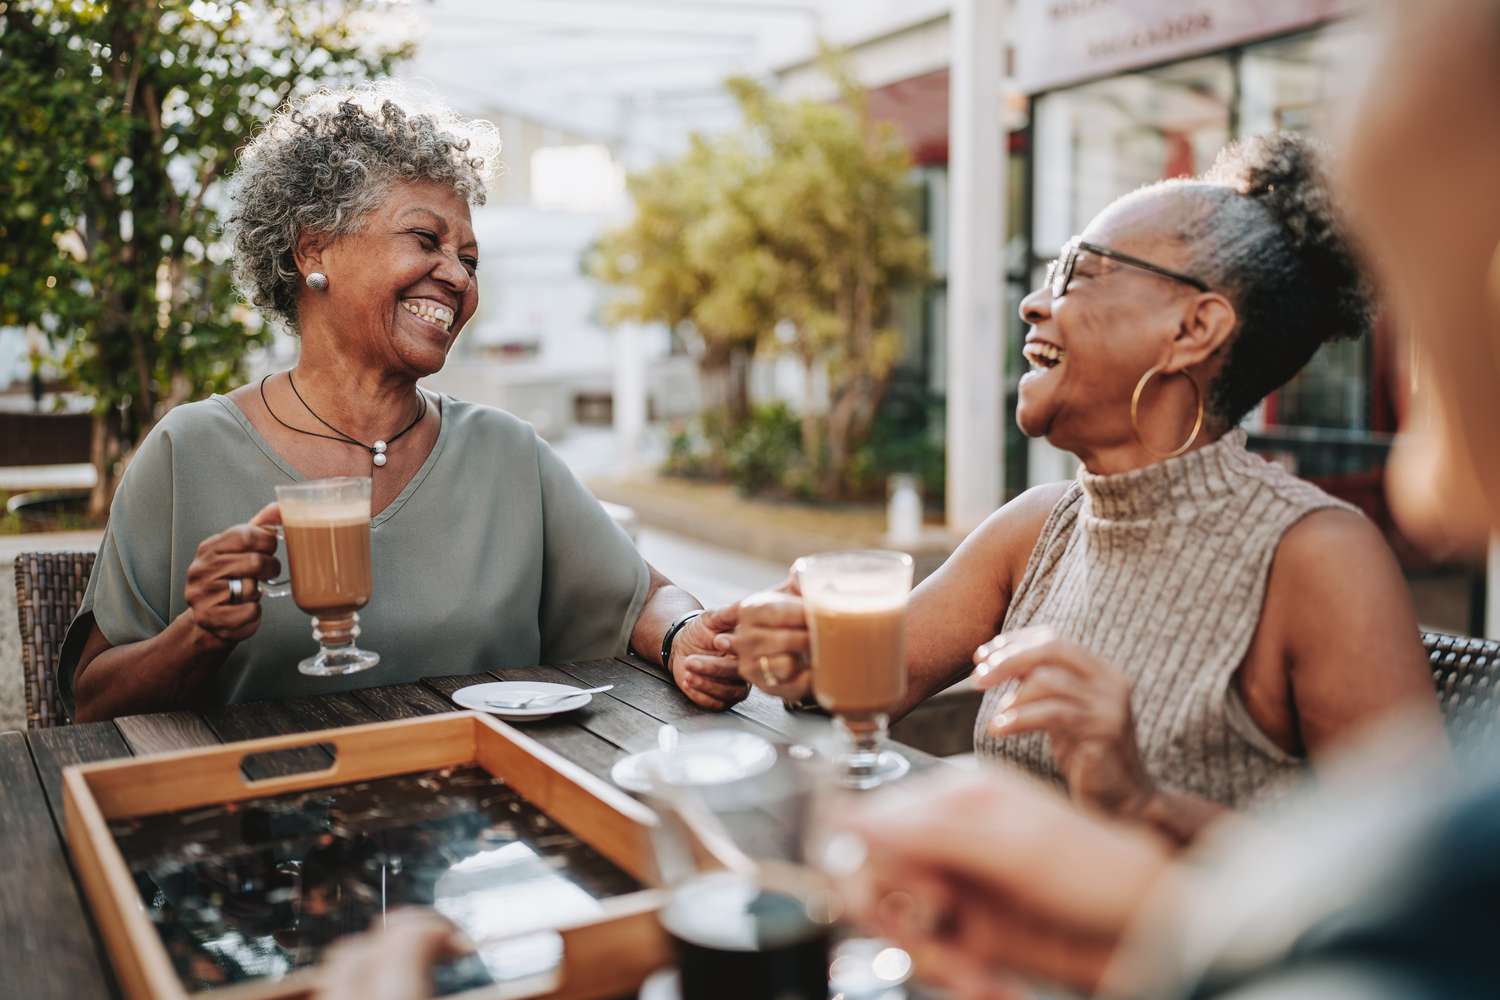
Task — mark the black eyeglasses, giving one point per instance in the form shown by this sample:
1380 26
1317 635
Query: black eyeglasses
1060 271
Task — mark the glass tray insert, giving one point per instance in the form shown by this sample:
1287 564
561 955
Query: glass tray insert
259 888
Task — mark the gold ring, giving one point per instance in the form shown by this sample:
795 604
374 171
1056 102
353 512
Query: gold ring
765 672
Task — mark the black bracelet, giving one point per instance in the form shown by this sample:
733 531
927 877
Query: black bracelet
672 630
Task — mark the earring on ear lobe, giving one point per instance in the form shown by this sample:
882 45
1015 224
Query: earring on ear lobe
1135 412
317 281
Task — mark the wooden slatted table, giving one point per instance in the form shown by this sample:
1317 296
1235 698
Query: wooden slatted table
48 945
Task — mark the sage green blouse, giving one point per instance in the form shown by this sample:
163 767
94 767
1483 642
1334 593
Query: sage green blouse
493 555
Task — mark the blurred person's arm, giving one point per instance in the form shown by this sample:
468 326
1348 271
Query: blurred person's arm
1378 876
1435 494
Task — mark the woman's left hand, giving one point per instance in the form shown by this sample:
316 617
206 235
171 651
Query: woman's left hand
701 670
1082 703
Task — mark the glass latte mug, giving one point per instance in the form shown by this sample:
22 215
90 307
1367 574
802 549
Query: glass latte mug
326 526
856 617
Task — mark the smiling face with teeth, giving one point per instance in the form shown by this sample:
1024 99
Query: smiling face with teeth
401 287
1088 348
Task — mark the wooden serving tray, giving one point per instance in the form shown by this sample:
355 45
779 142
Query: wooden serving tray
608 955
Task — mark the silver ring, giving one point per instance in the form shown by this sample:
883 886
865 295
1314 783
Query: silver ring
236 590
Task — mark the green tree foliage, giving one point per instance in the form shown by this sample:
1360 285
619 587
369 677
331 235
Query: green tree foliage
789 236
662 265
118 121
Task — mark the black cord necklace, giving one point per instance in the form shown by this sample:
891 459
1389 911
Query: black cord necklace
377 450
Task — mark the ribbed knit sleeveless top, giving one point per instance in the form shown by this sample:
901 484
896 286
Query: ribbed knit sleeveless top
1162 572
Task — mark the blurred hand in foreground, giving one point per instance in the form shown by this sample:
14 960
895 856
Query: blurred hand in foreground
985 876
393 963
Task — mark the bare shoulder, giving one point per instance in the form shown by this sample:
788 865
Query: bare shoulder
1334 572
1348 632
1037 503
1333 544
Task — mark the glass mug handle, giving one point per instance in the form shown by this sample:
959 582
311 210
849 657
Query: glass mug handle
282 587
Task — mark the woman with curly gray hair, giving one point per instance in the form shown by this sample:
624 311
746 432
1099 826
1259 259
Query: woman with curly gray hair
352 227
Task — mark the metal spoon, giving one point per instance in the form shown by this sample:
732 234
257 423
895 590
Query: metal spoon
545 699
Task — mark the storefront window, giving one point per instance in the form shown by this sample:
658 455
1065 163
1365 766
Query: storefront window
1100 140
1331 391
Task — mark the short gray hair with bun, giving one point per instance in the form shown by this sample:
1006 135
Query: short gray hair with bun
1266 232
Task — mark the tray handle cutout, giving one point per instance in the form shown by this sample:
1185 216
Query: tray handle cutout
306 760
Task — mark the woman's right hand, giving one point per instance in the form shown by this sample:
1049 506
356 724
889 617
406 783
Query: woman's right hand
245 552
771 642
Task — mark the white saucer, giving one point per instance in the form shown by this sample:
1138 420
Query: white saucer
475 695
706 758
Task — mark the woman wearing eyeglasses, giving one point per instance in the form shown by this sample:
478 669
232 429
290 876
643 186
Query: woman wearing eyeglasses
1182 627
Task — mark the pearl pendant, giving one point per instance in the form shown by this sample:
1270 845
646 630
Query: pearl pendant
378 458
379 447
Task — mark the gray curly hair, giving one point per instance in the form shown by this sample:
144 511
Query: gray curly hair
323 164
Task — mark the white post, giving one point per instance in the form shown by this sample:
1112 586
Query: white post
976 281
1492 593
629 392
1047 464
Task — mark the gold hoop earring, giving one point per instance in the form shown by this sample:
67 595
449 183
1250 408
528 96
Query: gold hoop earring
1135 411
